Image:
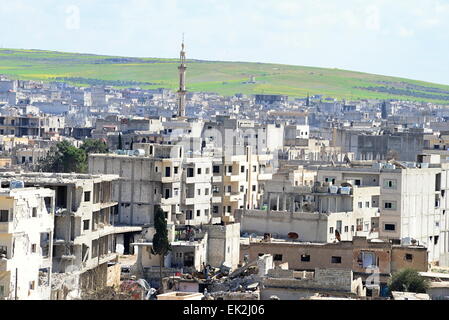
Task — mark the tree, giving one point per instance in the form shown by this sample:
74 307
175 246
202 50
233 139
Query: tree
94 146
161 245
408 280
64 158
120 142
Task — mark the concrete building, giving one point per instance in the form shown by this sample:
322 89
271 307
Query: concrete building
84 238
366 258
26 243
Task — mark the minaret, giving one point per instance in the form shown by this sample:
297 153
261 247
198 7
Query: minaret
182 82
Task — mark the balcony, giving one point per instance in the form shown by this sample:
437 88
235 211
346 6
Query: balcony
169 201
6 227
189 201
4 264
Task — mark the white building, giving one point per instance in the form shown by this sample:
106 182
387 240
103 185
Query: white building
26 243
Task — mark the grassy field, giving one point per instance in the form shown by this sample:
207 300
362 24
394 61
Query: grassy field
222 77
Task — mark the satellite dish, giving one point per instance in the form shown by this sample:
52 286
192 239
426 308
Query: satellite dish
293 235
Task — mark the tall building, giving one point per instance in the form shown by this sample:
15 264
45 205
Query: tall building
182 83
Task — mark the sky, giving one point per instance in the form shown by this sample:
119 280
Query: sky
405 38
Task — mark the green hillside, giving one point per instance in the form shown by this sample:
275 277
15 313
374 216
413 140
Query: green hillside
226 78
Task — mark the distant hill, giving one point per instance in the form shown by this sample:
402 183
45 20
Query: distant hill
225 78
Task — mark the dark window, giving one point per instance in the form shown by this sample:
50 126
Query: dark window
4 215
87 196
408 257
435 239
198 213
305 258
390 227
175 169
254 188
331 230
189 172
86 224
167 171
216 169
167 193
34 214
335 259
242 169
199 170
277 257
357 182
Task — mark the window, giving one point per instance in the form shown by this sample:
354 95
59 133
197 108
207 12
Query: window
33 248
360 205
277 257
331 230
335 259
346 229
4 215
2 291
199 192
189 215
87 196
352 228
167 171
435 240
167 193
367 204
368 259
215 209
389 227
175 170
230 169
198 213
242 169
206 191
357 182
189 172
32 285
390 205
305 258
408 257
254 187
339 225
4 250
389 184
206 212
207 170
34 213
242 188
176 191
86 224
199 170
254 168
216 169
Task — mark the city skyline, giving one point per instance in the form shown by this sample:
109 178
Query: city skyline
404 38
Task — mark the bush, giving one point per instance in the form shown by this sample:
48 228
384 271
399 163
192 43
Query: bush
408 280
